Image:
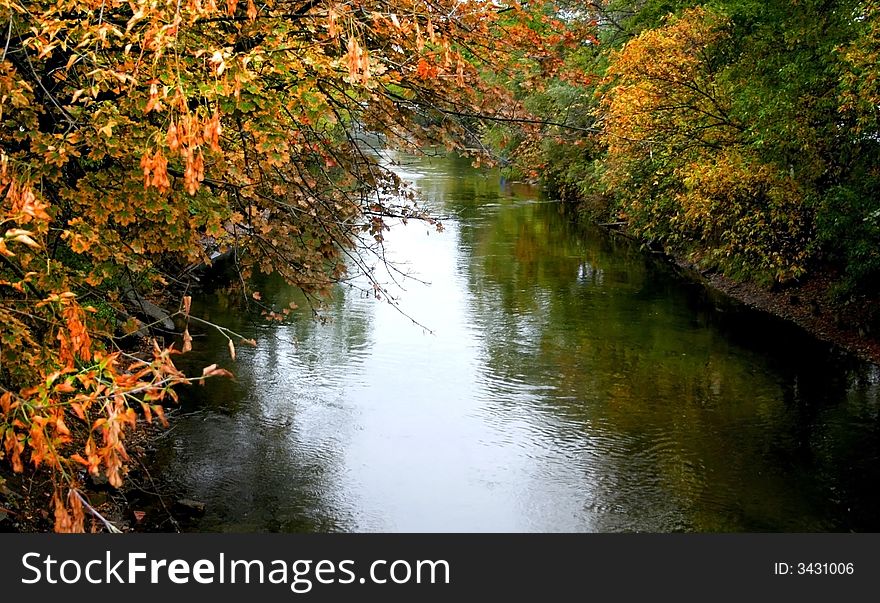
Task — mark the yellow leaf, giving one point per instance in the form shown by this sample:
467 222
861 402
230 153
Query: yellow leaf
22 236
134 19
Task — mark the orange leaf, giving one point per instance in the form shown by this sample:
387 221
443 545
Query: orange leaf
79 459
6 402
78 410
213 371
160 412
425 70
64 388
61 428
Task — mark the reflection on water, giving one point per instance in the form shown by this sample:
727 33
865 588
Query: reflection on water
568 383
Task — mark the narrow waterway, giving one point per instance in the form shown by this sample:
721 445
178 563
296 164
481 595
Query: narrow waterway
569 382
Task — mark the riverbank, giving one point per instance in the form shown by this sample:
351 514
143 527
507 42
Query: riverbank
806 303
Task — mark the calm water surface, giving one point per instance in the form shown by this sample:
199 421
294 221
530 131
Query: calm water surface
568 382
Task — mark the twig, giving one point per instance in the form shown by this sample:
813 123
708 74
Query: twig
8 38
159 495
8 511
110 527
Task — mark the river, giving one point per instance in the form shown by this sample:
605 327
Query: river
564 380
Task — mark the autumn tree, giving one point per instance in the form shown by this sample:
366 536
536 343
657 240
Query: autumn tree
141 136
739 133
559 66
678 158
